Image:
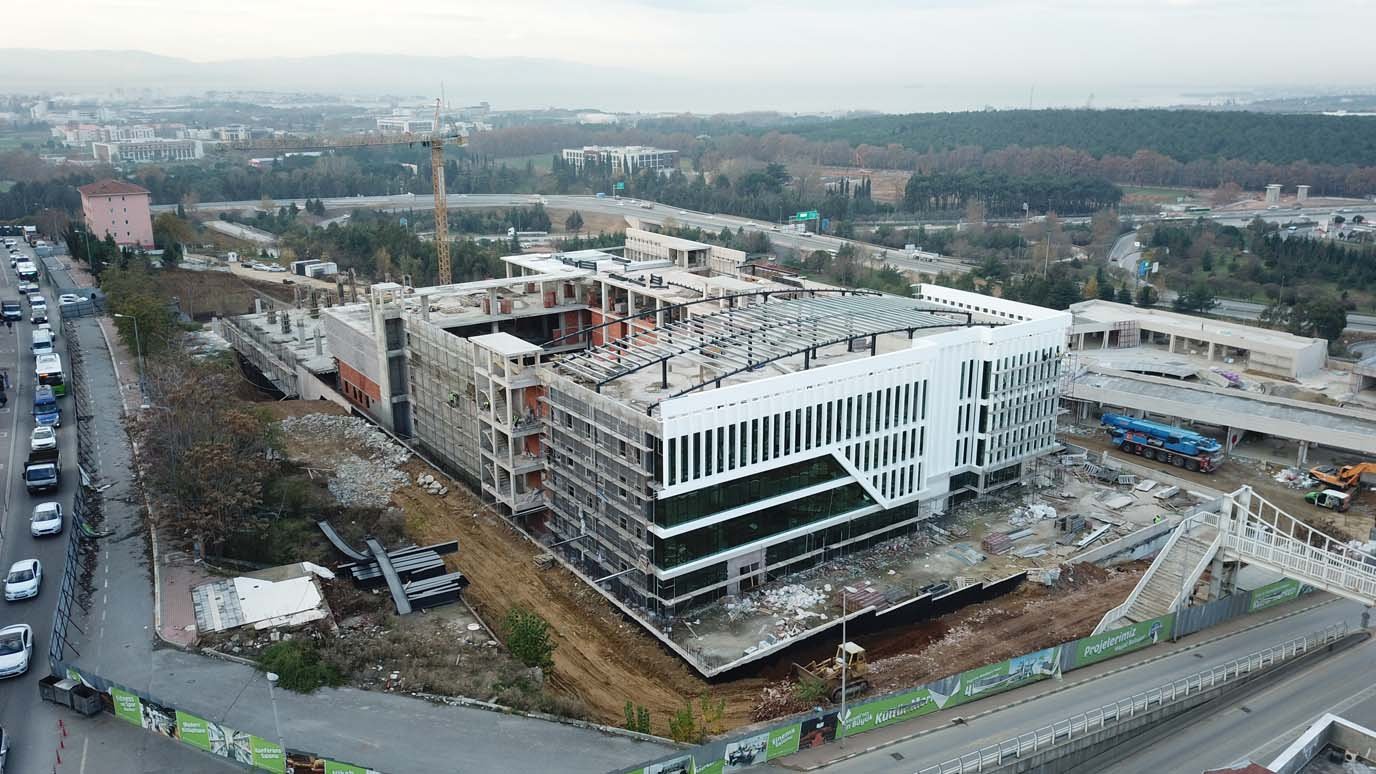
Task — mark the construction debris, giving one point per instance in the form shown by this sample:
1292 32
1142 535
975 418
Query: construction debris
365 461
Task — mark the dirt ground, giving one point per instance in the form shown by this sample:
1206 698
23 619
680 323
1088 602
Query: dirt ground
1031 618
593 222
886 185
205 293
601 658
1236 472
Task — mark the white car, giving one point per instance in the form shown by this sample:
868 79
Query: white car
16 649
25 288
46 520
42 437
36 298
274 267
69 298
25 576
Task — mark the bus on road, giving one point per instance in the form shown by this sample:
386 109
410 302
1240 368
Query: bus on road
45 410
48 372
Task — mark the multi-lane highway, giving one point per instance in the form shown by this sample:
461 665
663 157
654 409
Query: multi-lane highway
1282 709
32 724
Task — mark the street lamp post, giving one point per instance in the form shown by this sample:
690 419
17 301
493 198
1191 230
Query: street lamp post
276 722
138 348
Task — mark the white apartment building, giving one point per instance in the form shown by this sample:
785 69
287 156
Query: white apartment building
154 149
622 160
404 122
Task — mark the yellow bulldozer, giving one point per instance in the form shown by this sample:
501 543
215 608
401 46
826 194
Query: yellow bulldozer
851 658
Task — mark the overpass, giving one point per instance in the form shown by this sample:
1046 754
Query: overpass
1240 412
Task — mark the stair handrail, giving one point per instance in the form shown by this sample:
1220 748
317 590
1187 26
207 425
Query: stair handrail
1121 610
1192 577
1263 534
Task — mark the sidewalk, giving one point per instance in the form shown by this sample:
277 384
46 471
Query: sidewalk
391 733
1297 616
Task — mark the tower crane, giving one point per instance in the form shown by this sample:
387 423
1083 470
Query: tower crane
435 139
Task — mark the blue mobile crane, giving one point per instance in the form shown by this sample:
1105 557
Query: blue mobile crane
1166 443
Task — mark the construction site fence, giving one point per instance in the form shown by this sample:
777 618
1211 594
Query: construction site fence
994 756
825 726
144 711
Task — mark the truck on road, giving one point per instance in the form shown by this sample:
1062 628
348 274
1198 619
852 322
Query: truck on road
1165 443
42 471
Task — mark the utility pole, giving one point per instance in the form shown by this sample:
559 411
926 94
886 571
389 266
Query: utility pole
845 663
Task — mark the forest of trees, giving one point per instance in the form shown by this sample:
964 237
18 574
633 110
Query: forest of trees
1003 196
1185 135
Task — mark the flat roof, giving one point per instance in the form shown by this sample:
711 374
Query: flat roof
1218 399
750 341
505 344
1232 334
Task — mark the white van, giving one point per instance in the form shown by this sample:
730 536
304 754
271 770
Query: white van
42 343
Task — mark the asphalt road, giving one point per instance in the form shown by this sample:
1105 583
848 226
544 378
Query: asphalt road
657 214
950 742
32 723
1260 726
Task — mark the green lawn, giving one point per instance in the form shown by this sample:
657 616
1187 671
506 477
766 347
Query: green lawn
542 161
11 139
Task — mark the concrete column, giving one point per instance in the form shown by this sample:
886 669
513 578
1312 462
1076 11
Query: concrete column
1172 344
1211 352
1302 458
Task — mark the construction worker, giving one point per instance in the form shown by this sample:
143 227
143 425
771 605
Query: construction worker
1156 519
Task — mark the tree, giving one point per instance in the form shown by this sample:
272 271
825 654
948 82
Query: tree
528 637
1198 298
1124 295
1146 296
574 222
1091 289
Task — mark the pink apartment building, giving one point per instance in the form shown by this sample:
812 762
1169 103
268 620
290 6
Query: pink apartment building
120 210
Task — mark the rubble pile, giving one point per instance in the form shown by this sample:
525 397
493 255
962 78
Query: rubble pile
1031 514
791 605
364 462
431 484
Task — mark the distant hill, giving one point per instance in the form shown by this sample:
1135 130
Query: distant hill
1185 135
510 82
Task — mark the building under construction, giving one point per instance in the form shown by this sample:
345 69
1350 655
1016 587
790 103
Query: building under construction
682 431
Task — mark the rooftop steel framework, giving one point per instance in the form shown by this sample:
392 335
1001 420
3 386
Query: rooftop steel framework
746 337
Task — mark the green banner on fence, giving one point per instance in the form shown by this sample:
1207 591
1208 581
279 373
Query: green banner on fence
268 755
783 741
714 767
193 730
890 710
334 767
127 706
1007 675
1101 647
1273 594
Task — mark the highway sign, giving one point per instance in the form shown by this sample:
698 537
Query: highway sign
619 186
807 215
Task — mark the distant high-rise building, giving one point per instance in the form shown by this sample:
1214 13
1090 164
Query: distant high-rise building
119 209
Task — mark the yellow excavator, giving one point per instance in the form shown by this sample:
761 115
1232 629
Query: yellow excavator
828 672
1344 479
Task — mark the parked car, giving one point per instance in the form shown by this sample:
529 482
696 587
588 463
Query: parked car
47 519
23 580
42 438
70 298
16 649
274 267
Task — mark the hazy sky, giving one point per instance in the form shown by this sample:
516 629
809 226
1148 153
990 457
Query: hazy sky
861 52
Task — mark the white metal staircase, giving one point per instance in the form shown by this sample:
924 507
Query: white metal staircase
1245 528
1170 580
